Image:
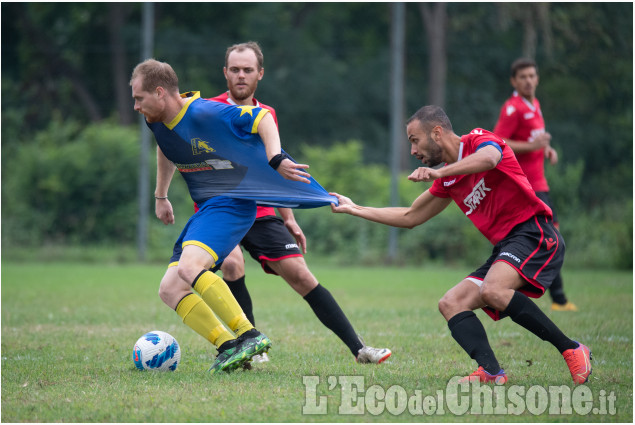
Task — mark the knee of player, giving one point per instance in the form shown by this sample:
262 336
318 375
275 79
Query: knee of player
489 295
445 305
232 269
164 293
300 276
167 292
188 274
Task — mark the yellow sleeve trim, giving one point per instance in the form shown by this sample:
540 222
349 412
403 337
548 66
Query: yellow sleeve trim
205 247
260 116
193 96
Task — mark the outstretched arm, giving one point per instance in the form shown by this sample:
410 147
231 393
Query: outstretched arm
422 209
268 132
165 172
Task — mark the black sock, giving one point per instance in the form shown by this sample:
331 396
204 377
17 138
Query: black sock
527 314
556 291
469 332
331 315
240 292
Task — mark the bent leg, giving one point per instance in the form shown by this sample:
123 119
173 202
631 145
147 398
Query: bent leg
194 267
457 307
296 273
500 291
176 294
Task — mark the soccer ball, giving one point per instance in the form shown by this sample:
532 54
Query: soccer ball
156 350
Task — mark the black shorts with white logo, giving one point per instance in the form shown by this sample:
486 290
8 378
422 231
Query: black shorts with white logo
269 240
535 249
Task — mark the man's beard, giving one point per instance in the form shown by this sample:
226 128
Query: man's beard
242 94
436 154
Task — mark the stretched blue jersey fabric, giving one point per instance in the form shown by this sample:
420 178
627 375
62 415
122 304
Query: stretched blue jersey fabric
217 150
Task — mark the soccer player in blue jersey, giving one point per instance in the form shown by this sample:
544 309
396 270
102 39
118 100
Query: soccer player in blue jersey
278 243
222 153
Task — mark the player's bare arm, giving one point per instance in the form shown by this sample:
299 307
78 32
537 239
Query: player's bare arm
422 209
288 169
541 141
165 172
551 155
484 159
293 227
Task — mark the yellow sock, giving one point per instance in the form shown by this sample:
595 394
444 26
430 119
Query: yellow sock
198 316
218 296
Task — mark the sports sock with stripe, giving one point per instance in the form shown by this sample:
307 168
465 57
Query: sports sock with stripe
240 292
219 298
528 315
198 316
469 332
331 315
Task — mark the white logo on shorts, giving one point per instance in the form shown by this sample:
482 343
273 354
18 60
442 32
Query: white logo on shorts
510 255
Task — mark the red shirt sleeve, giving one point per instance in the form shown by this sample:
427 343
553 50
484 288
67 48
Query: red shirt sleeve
507 121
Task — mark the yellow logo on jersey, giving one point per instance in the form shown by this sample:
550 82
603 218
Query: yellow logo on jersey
246 109
200 146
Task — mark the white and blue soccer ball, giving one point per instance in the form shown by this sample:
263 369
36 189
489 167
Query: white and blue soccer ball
156 350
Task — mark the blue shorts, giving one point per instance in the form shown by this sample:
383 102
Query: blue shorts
217 227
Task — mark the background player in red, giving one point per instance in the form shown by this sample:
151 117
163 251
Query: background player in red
522 126
481 175
278 244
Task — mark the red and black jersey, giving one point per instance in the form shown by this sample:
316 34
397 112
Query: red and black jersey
495 200
522 121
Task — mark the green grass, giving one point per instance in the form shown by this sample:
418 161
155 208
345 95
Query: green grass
68 332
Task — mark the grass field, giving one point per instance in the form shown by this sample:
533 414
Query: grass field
68 332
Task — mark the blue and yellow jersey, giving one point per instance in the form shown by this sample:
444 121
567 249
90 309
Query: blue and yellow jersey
217 150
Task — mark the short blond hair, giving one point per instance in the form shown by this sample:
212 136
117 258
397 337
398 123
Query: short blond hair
156 74
244 46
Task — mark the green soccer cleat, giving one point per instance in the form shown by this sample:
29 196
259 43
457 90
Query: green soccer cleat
230 356
238 352
254 343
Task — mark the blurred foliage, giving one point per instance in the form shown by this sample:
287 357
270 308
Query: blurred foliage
76 184
69 169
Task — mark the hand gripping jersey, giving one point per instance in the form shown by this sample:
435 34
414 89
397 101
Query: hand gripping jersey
522 120
495 200
262 211
217 150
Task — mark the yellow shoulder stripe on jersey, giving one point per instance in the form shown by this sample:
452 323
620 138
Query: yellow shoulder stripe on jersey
192 97
261 114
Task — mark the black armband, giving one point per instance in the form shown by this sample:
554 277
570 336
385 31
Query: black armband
277 159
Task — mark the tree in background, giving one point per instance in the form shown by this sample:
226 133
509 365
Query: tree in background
68 63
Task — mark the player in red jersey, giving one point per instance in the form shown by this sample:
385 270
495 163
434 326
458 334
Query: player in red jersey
278 244
522 126
481 175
